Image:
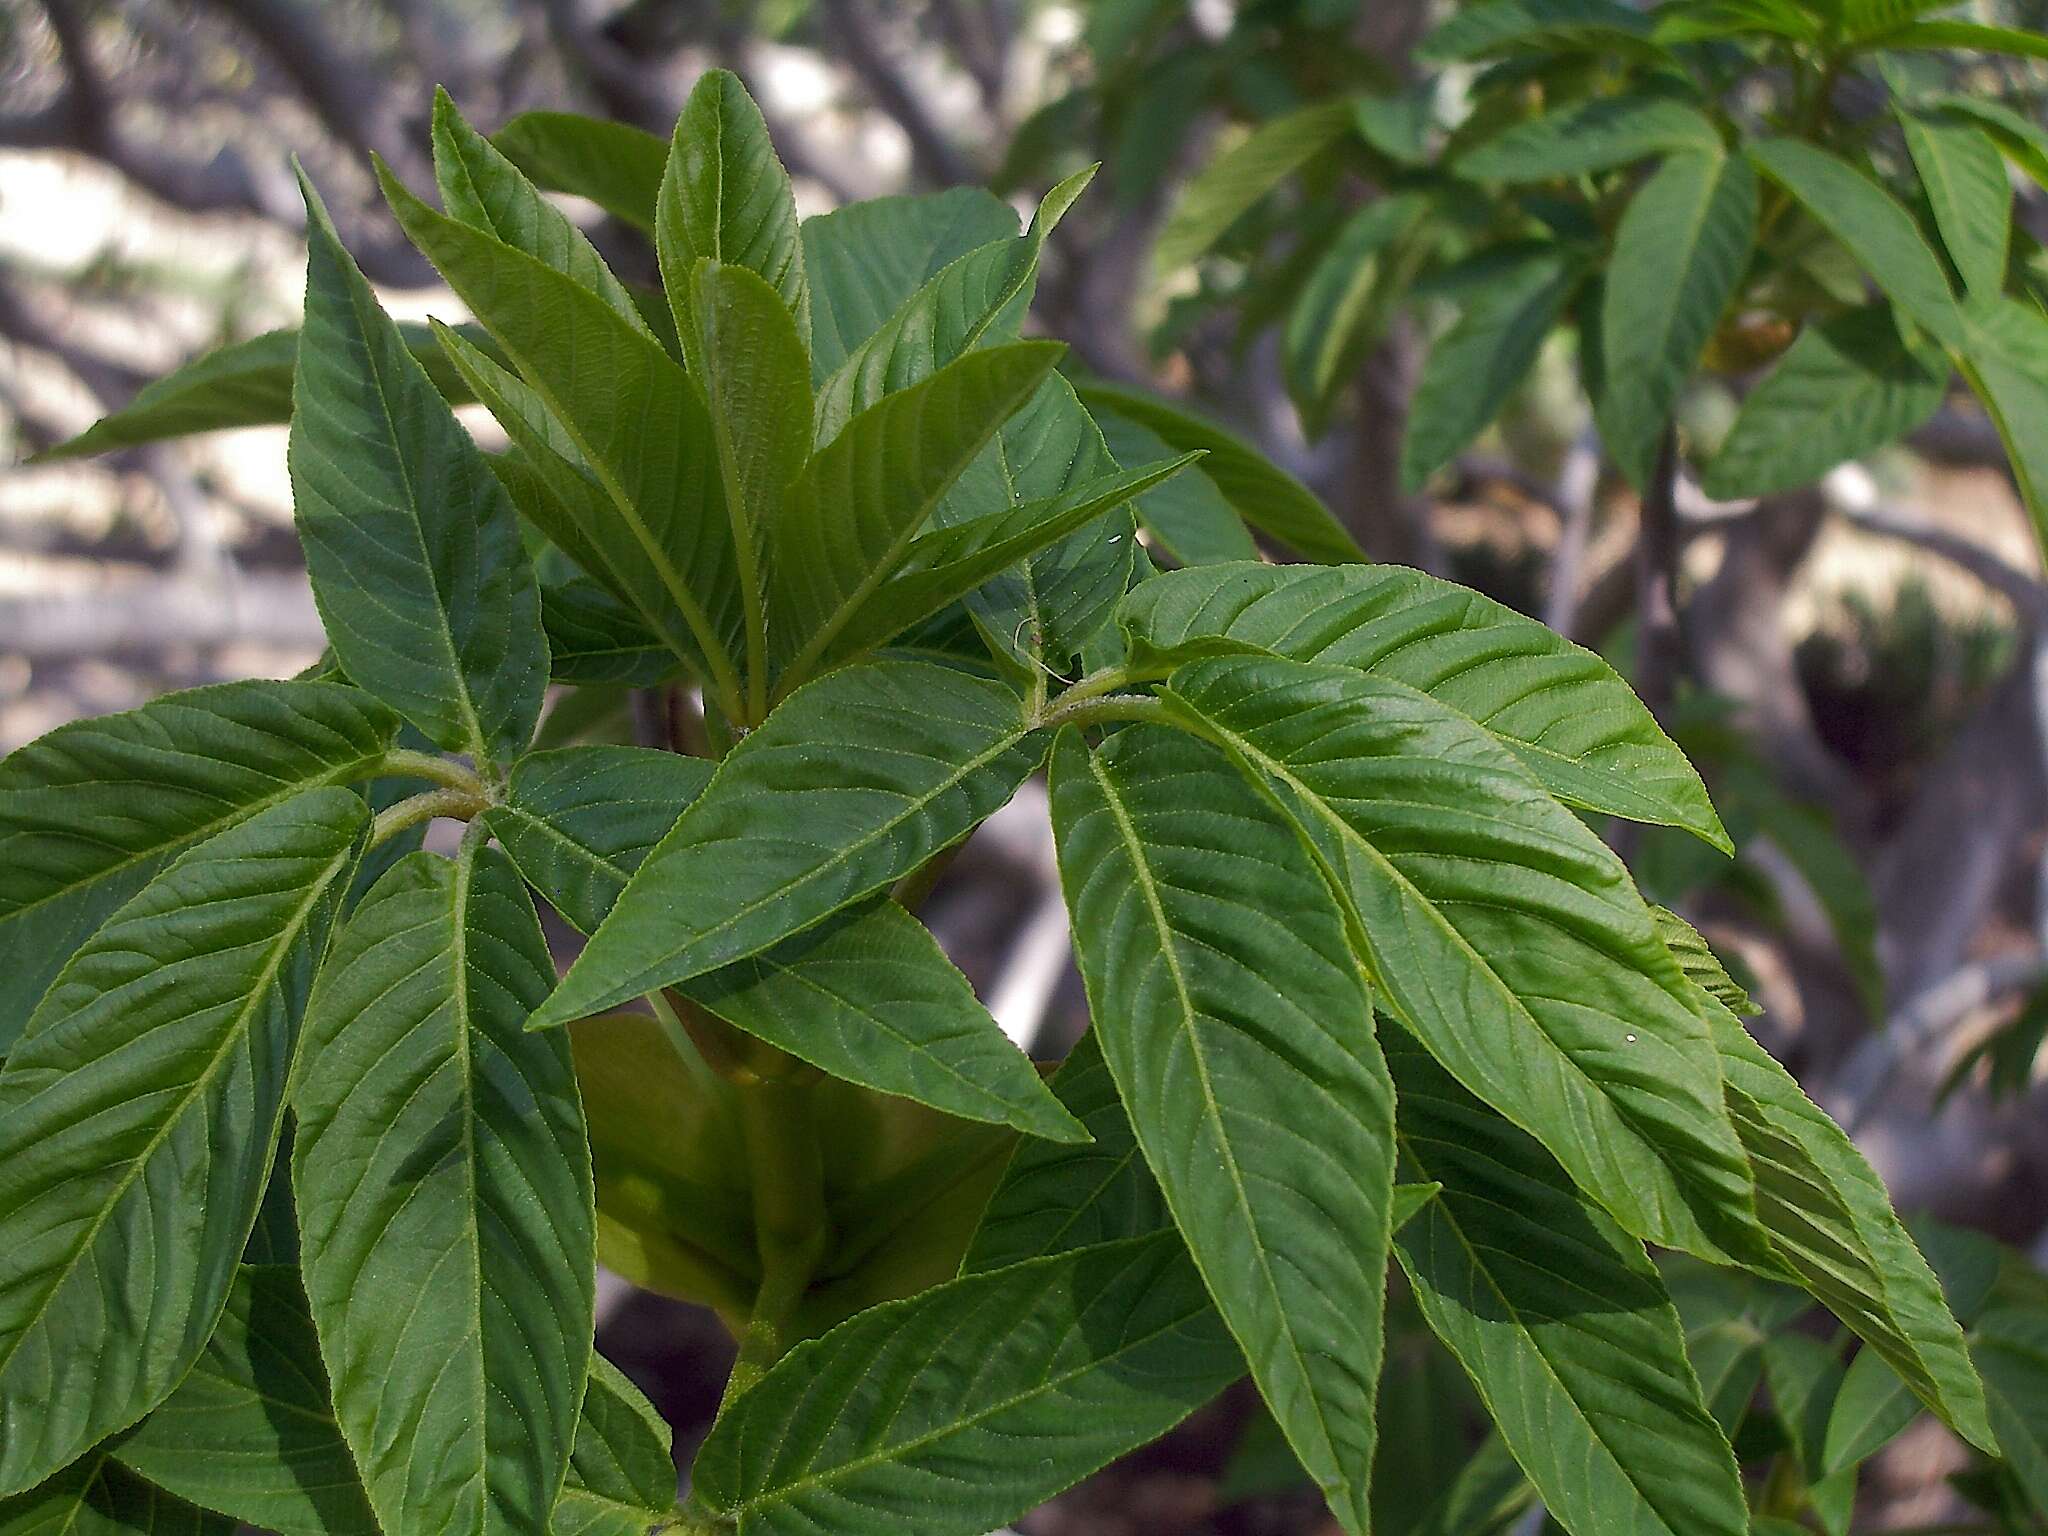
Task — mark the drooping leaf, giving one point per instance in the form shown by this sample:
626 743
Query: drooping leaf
2005 344
1561 709
1342 307
1264 495
1848 385
866 260
424 588
578 821
1870 222
1476 365
444 1193
97 1496
601 379
622 1475
1499 930
1227 187
1596 134
786 835
726 198
846 522
871 998
1964 176
1238 1028
137 1117
1561 1321
1498 27
615 165
77 839
251 1430
2010 1344
1190 521
1679 254
869 1430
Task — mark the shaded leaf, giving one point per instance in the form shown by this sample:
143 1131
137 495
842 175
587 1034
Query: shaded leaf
1343 306
2010 1344
1596 134
595 638
622 1473
1964 177
1225 189
615 165
2005 345
1189 521
97 1496
1510 26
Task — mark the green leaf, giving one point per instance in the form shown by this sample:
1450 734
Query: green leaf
1964 175
1225 189
2010 1344
1343 306
251 1430
786 835
1975 36
1847 386
1557 706
1600 133
1696 958
622 1472
866 260
726 198
601 379
1239 1032
1263 494
137 1117
1477 364
1871 1408
979 298
1190 521
866 1431
413 547
2004 347
578 821
1679 256
851 514
2023 140
1560 1320
480 186
615 165
1878 232
1832 1226
97 1496
244 384
871 998
444 1193
77 840
1499 930
595 638
1498 27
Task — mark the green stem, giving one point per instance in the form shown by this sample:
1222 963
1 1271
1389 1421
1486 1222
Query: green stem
404 763
787 1168
1068 710
462 804
1109 679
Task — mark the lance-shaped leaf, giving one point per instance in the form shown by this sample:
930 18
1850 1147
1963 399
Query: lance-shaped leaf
871 998
1561 1321
444 1194
1480 360
622 1472
959 1409
2011 1348
846 521
786 835
1264 495
97 1496
251 1430
608 385
595 638
979 298
615 165
137 1117
578 820
1513 26
866 260
1964 177
1344 304
1678 257
2003 358
726 198
412 545
1190 522
1702 967
1558 707
79 836
1238 1028
1226 188
1870 222
1848 385
1944 34
1597 134
1500 930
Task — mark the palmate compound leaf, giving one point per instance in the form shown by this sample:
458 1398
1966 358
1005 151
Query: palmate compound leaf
444 1193
251 1430
622 1475
97 1496
92 811
423 585
1557 706
786 834
961 1408
137 1117
1499 930
1831 1224
1561 1321
1237 1026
